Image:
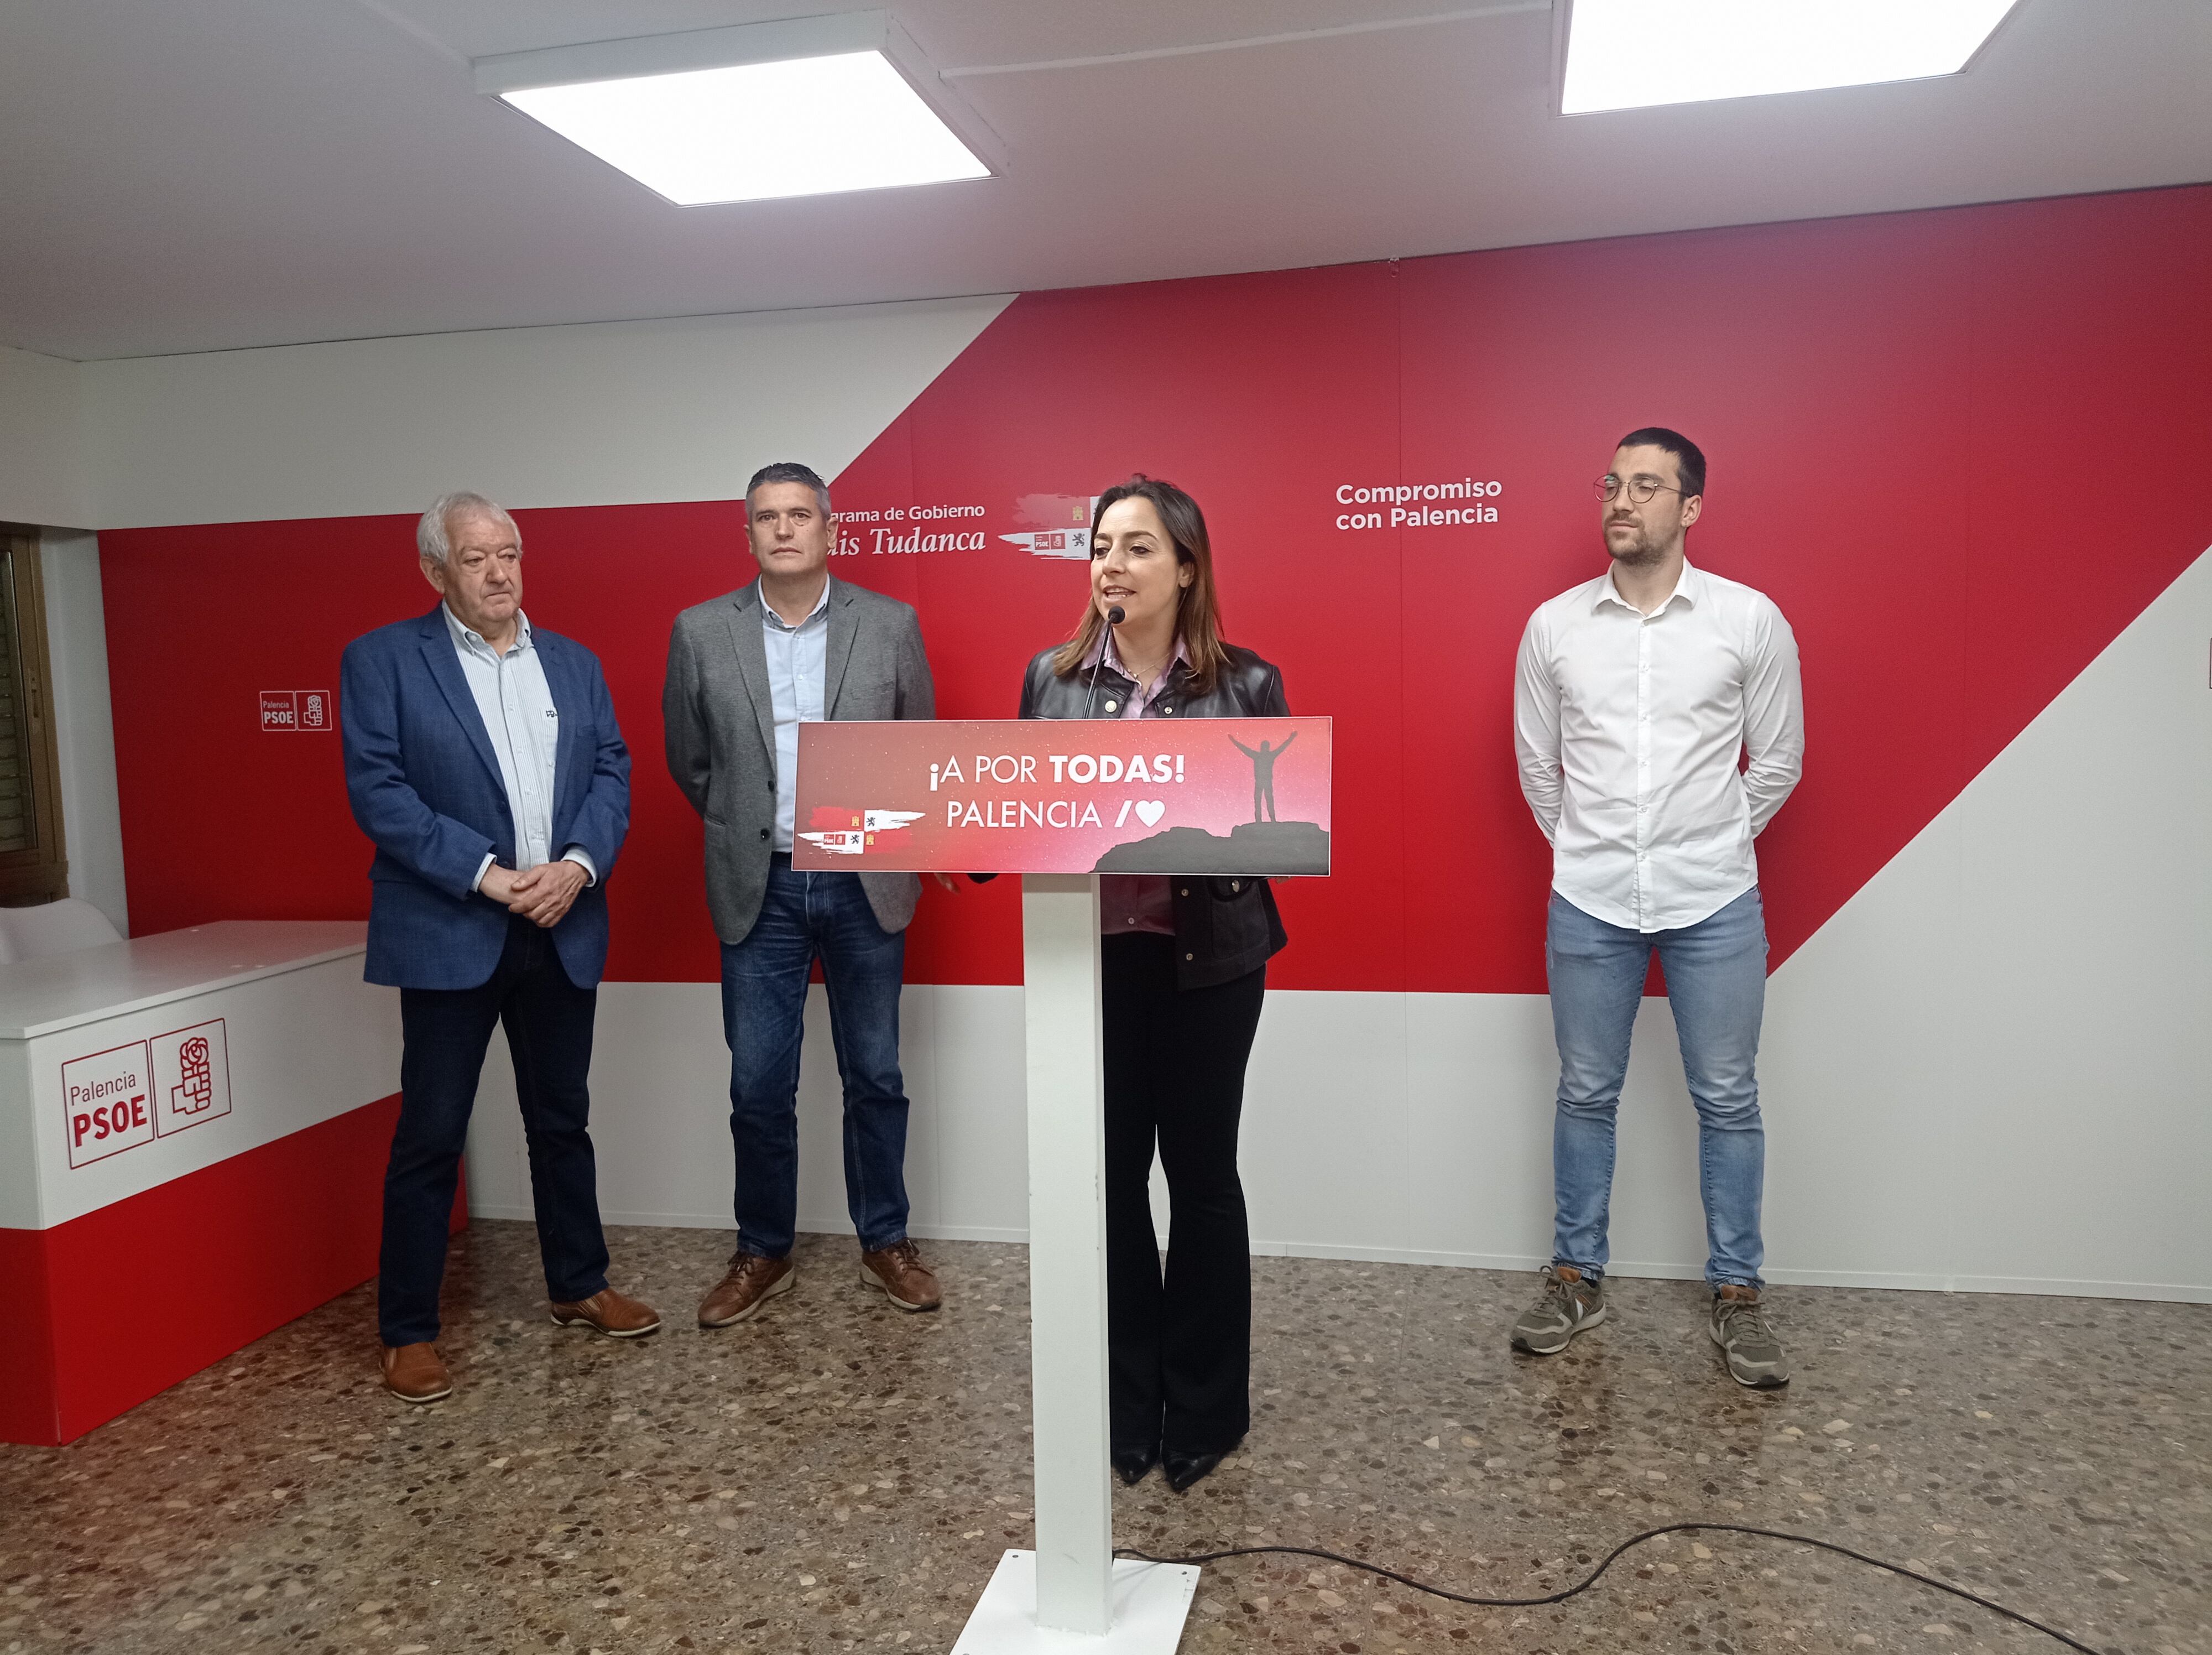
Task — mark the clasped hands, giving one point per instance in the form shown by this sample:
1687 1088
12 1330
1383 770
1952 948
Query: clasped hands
543 895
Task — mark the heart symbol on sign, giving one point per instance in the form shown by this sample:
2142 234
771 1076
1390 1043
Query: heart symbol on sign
1150 811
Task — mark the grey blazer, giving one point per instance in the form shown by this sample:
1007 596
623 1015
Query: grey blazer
720 723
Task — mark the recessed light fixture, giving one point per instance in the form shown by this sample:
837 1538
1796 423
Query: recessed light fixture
811 107
1632 54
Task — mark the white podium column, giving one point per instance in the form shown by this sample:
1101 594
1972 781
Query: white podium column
1070 1596
1067 1250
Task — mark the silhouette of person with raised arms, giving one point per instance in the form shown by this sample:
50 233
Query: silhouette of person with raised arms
1263 773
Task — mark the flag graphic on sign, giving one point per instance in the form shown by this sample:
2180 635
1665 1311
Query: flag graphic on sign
853 833
1037 513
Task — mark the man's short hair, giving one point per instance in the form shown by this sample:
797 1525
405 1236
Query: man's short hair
434 545
790 470
1689 458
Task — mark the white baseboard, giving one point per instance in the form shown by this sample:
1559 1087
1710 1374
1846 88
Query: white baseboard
2158 1292
722 1221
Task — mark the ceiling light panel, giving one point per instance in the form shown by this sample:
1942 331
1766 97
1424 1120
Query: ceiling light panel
1633 54
806 107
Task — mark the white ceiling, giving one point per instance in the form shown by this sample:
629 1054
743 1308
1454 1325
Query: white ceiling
183 175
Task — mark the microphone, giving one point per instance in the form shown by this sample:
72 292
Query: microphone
1114 617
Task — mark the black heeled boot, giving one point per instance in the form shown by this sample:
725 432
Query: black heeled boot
1130 1464
1184 1469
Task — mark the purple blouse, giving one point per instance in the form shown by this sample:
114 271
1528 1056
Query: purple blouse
1135 901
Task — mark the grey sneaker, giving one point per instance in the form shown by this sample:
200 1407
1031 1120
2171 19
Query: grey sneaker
1571 1303
1747 1338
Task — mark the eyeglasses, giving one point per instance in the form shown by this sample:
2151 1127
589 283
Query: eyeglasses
1640 489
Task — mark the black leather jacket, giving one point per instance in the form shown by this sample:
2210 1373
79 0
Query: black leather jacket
1225 927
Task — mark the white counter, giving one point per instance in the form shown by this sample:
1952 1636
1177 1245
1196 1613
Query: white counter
43 997
271 1018
205 1109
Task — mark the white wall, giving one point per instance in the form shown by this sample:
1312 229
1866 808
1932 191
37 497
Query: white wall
44 479
2002 1042
612 413
84 728
43 465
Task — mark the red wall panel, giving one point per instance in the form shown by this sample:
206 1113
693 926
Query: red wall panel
1953 446
1828 391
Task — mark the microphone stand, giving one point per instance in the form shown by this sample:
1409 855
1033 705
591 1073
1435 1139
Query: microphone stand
1114 617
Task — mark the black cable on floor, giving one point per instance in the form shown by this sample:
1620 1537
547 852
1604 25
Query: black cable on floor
1584 1585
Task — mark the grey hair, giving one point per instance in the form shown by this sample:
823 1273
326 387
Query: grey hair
790 470
433 544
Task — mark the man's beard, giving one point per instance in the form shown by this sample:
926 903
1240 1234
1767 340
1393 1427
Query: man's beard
1639 553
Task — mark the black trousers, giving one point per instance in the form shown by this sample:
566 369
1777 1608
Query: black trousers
446 1032
1179 1350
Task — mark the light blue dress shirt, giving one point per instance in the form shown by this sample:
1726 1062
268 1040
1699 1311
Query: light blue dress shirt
516 704
798 664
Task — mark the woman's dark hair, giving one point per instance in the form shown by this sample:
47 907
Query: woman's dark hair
1198 616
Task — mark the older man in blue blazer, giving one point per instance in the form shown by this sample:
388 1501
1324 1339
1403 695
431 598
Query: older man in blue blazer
484 760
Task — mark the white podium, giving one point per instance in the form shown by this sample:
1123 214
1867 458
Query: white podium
1045 798
1070 1594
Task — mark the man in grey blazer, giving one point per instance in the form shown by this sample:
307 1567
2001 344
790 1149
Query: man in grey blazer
744 672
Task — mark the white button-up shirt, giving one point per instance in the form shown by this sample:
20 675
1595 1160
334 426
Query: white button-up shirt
798 664
516 704
1629 729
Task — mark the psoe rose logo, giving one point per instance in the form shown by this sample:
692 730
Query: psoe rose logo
192 1076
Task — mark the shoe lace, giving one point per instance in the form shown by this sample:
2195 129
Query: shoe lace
1747 1315
1561 1294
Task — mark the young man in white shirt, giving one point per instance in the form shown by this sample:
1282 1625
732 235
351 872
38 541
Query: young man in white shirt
1634 696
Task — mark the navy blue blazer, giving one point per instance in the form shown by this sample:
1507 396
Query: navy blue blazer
425 787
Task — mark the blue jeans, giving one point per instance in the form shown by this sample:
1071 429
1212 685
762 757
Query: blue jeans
1716 988
804 917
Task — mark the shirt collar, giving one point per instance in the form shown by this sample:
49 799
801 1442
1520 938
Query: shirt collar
467 637
1689 586
821 603
1112 656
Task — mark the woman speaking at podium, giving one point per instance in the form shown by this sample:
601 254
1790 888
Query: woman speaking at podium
1185 966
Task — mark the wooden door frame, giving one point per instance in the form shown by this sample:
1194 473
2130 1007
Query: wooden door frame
38 873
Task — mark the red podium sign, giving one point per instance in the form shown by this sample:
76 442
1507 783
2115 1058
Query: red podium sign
1215 795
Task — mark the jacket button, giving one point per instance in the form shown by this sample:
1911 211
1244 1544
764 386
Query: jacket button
1165 710
763 833
1185 892
1190 956
1112 705
1233 886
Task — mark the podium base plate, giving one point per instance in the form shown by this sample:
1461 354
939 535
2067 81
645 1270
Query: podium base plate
1151 1601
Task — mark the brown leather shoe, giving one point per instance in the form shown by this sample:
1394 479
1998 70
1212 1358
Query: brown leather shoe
611 1313
905 1280
414 1374
751 1282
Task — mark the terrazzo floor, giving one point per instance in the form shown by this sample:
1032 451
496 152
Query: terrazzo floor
838 1476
